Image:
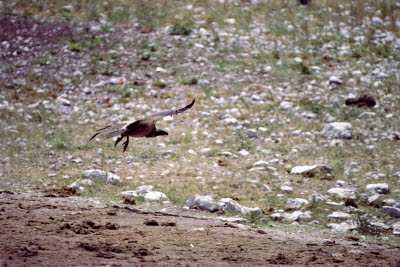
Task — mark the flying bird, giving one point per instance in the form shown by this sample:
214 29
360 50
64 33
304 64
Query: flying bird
145 127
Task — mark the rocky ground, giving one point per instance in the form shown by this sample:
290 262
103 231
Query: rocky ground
295 125
47 230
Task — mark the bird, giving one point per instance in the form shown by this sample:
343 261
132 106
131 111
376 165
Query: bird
145 127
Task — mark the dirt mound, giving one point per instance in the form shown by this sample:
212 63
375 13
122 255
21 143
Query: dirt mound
61 192
74 231
362 101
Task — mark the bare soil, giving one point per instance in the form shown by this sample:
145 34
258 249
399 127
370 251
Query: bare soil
49 230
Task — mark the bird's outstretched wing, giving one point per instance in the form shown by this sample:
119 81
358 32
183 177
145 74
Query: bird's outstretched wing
156 117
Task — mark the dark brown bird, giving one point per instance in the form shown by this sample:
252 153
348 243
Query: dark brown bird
141 128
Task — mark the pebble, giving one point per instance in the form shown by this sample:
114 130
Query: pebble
338 130
382 188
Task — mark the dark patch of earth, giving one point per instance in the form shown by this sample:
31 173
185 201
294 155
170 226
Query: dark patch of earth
74 231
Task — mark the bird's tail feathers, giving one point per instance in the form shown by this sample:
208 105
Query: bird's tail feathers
114 133
114 128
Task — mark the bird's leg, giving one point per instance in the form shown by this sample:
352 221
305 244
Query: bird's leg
118 140
126 143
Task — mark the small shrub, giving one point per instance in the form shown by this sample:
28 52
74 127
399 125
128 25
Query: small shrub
189 81
43 61
364 227
159 84
180 29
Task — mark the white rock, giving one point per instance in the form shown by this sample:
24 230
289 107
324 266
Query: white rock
219 142
376 21
296 203
76 186
313 169
286 105
336 130
396 228
335 80
342 227
116 80
231 121
266 188
376 199
276 216
231 206
261 163
339 215
162 70
297 216
206 150
153 196
382 188
100 174
367 114
87 182
146 192
230 21
68 8
317 197
243 153
202 202
145 188
54 167
62 101
342 193
286 189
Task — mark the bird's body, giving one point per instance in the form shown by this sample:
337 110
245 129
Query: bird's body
145 127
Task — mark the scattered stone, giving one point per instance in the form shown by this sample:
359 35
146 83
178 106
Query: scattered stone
219 142
54 167
76 186
343 193
144 192
231 121
100 174
87 182
311 171
338 215
261 163
391 211
335 80
396 228
244 153
266 188
366 115
203 203
376 200
382 188
231 206
64 102
286 189
251 133
276 216
342 227
297 216
286 105
317 197
295 203
336 130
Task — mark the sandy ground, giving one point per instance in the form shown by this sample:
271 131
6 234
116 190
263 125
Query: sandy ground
49 230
